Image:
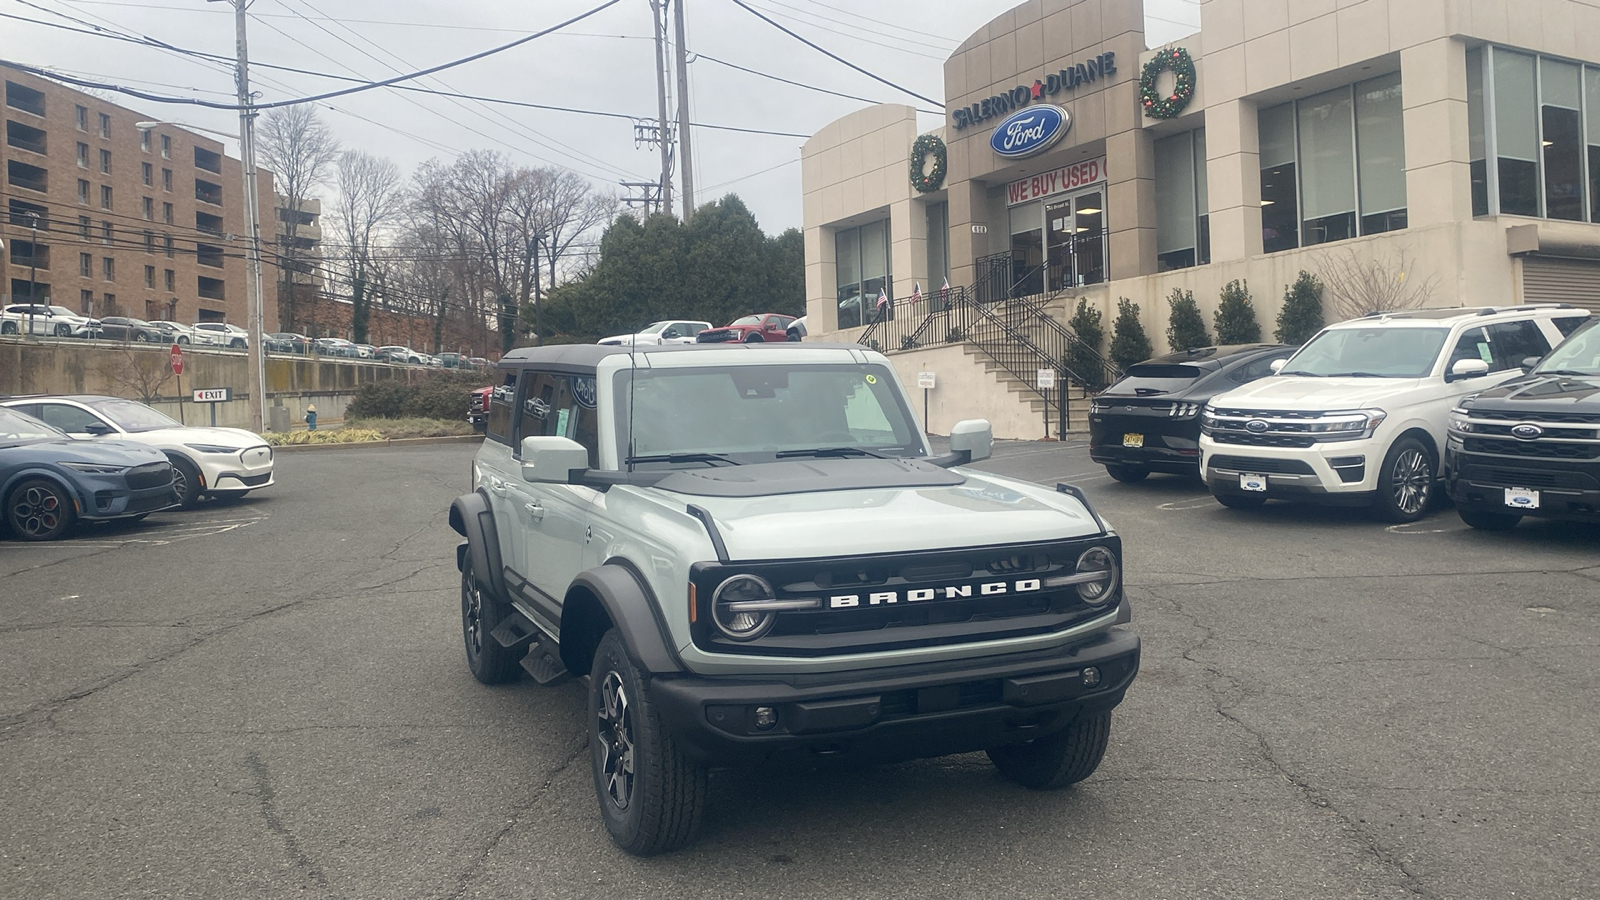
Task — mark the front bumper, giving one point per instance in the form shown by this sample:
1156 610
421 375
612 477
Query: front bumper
1568 489
1333 472
905 712
112 499
246 470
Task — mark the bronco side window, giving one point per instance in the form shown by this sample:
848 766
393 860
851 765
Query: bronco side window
501 399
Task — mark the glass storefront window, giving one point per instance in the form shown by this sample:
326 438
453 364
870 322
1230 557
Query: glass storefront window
1027 251
1381 154
938 253
1477 148
1591 79
1280 207
1327 168
1516 133
1182 220
1561 139
861 264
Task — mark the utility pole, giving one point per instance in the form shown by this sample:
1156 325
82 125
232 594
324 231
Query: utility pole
658 12
33 270
685 158
252 213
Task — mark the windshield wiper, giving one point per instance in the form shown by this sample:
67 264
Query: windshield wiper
1300 372
829 451
683 458
1567 372
1358 375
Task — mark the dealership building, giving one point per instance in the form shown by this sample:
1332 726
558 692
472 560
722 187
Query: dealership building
1428 152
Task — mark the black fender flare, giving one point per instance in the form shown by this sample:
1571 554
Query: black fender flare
617 593
473 518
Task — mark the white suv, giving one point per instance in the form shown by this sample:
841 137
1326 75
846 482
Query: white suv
218 334
1357 417
58 321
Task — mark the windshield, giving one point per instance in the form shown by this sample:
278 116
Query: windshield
133 417
16 428
1376 352
654 327
1578 354
746 320
753 413
60 311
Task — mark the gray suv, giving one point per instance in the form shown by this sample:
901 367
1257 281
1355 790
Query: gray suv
755 558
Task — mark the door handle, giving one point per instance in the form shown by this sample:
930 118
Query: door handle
535 510
497 487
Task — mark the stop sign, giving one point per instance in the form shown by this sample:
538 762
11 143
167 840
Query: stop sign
177 360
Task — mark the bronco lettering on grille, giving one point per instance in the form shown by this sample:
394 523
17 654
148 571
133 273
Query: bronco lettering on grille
918 595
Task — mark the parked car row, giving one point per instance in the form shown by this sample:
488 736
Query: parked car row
65 459
1498 407
751 329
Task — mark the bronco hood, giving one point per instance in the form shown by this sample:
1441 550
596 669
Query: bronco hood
850 507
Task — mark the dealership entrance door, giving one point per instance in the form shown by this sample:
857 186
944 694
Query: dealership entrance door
1075 240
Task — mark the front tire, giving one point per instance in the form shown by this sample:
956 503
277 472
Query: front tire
186 482
651 796
181 340
1405 483
753 338
1127 474
1488 521
236 344
8 328
39 510
1057 760
63 331
481 612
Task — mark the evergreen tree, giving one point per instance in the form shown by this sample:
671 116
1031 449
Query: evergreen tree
1129 344
1186 329
1083 360
1301 315
1236 316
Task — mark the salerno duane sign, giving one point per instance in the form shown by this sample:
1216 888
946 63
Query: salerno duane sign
1068 79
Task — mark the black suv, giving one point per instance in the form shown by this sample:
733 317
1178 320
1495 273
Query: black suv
1531 447
1149 420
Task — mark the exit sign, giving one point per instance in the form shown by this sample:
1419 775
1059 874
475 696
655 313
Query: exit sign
213 395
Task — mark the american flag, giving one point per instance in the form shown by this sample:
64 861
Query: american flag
916 293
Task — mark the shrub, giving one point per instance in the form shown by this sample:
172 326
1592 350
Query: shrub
380 400
1129 344
328 436
439 398
1186 329
441 395
1236 317
1084 359
1301 315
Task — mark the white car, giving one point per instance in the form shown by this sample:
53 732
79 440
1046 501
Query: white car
215 462
219 334
55 321
1358 415
177 334
672 331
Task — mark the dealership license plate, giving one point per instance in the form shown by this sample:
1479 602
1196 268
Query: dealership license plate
1133 440
1522 498
1249 482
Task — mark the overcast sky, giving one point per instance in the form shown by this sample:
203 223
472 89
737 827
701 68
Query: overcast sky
604 63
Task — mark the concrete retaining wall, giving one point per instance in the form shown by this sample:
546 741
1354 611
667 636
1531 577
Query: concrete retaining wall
143 372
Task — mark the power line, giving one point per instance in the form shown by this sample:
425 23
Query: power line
810 87
834 56
787 162
898 26
857 36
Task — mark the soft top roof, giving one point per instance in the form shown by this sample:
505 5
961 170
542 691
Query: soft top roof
590 355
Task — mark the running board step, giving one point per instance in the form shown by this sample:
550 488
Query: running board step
543 662
514 631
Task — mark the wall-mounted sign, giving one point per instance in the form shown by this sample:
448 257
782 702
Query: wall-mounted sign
1032 130
1068 79
1056 181
213 395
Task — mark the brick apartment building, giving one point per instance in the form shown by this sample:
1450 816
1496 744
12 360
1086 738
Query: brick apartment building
106 219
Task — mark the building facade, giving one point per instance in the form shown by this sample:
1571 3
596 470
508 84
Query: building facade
1434 152
108 219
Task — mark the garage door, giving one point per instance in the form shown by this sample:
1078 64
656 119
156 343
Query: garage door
1550 280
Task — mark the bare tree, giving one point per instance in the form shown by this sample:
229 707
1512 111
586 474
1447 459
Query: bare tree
301 151
1356 287
371 199
572 209
142 372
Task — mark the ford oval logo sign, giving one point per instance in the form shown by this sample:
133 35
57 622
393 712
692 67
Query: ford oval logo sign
1029 131
1526 432
1256 426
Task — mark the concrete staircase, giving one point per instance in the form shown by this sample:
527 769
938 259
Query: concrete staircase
1078 399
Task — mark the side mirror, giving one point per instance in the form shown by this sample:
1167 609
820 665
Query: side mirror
972 438
1467 368
98 430
552 460
1277 365
1528 362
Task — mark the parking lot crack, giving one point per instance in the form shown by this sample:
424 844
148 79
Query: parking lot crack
266 795
464 881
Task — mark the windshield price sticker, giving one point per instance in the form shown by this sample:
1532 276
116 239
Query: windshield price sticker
925 380
213 395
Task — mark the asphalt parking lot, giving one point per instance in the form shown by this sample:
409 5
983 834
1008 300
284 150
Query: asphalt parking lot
268 698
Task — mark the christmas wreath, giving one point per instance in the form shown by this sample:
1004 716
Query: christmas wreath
1182 66
933 179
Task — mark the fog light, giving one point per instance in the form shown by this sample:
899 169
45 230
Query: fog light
766 717
1091 676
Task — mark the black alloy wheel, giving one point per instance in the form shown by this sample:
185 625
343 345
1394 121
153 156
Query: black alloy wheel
651 795
1405 483
39 510
489 661
139 336
186 482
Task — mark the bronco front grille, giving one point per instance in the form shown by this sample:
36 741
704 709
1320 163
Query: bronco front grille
904 623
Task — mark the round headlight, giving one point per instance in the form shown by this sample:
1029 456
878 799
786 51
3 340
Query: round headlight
742 624
1102 562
